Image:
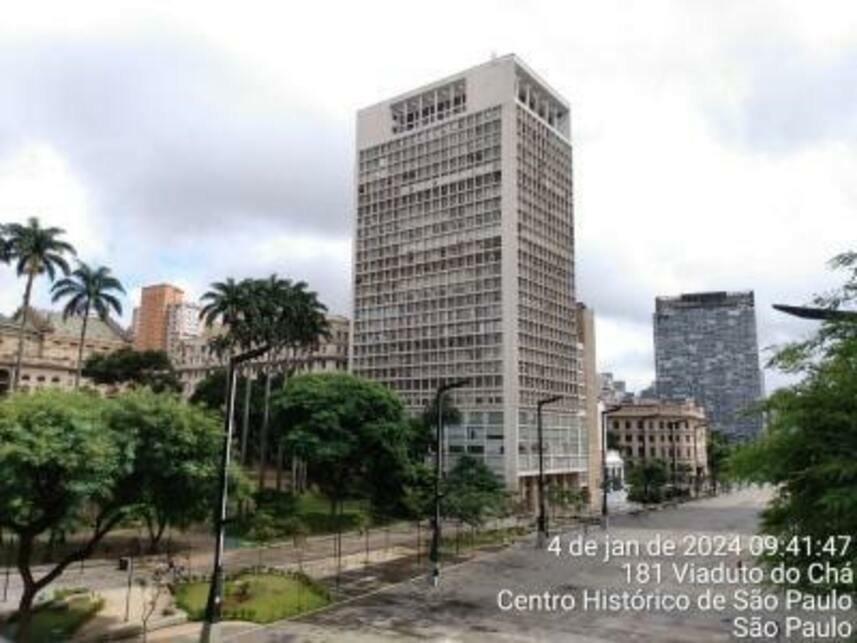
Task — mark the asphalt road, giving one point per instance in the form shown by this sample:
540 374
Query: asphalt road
466 606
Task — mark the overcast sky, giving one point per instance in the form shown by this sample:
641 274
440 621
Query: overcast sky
715 143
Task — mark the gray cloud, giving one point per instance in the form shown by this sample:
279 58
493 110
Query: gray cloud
173 137
792 99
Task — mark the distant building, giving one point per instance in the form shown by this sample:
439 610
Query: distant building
182 323
51 345
150 319
706 349
193 360
612 391
674 432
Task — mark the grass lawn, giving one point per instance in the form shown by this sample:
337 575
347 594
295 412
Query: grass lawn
260 598
51 624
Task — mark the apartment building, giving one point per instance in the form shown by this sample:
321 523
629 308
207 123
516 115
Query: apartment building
464 263
150 317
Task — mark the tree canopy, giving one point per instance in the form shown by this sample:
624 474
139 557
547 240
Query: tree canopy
177 449
77 461
152 369
809 449
352 433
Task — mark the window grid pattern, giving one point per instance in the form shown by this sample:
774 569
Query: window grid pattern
427 261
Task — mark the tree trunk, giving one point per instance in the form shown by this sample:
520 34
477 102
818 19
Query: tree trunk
25 613
263 443
80 348
156 530
245 424
20 356
280 458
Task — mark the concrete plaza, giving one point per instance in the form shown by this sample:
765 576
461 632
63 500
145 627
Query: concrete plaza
465 606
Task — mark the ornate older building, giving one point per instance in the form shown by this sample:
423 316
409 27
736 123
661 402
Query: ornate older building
674 432
51 346
464 263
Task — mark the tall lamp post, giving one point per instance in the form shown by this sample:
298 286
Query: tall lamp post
605 516
543 519
434 554
211 621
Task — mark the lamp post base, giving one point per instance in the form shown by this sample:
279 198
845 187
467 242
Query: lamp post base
210 633
605 521
541 539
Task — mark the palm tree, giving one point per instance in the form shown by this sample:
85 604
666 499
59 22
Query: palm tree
5 246
36 251
88 289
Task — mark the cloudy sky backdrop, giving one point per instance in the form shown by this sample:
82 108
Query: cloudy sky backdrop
715 142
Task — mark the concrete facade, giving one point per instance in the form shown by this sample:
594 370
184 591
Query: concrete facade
706 349
463 263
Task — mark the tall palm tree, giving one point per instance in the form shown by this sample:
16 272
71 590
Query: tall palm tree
88 289
35 251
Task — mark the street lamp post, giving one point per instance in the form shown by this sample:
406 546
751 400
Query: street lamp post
543 519
211 622
605 517
434 554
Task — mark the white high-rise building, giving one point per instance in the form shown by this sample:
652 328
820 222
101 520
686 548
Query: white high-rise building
464 263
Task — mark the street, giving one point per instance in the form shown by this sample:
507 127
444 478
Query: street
465 606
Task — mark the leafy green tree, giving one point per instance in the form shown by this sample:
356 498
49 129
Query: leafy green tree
809 449
647 480
152 369
61 467
352 433
36 251
472 493
74 461
177 449
88 289
718 450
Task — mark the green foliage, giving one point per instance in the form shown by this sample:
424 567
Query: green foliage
472 493
564 498
352 433
59 459
718 449
177 449
151 369
37 250
51 623
76 461
88 289
809 450
277 313
647 480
